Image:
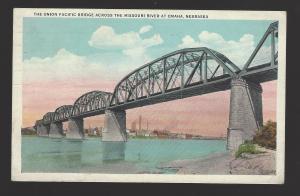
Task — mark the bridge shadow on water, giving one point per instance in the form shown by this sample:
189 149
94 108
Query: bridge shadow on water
69 155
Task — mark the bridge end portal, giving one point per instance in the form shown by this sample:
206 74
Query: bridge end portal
115 126
246 117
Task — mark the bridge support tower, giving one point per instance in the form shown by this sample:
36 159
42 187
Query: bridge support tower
42 130
246 117
56 130
114 126
75 129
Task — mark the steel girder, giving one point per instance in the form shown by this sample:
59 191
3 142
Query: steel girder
177 70
91 101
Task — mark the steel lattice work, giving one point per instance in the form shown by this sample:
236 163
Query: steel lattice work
48 117
177 70
91 101
263 63
264 53
63 112
180 74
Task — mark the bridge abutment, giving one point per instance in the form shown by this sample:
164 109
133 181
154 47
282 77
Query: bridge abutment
75 129
56 130
245 117
43 130
114 126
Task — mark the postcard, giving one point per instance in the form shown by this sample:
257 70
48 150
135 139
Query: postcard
121 95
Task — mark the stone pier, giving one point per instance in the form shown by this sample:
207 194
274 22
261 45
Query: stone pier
56 130
245 117
75 129
114 126
43 130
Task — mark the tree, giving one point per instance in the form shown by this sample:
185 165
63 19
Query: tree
267 136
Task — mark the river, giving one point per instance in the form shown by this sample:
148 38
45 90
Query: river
93 156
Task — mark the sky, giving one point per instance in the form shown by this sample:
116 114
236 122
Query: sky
64 58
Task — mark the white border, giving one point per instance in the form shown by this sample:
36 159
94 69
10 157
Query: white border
16 174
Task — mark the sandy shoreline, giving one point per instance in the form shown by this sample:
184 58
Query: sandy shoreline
226 163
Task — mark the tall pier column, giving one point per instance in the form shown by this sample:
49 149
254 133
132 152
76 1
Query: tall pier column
75 129
56 130
245 117
42 130
114 126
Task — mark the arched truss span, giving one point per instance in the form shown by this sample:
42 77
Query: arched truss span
175 71
91 101
180 69
63 112
48 117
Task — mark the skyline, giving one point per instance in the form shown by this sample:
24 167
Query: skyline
93 54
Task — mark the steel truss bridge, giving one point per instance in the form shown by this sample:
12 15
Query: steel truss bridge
180 74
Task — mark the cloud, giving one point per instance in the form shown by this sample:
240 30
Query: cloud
62 66
65 66
105 37
237 51
145 29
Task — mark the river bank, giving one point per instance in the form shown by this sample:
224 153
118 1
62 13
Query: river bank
227 163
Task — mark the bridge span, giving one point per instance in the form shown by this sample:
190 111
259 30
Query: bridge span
180 74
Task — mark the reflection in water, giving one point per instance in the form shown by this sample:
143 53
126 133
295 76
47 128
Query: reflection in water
71 153
113 151
63 154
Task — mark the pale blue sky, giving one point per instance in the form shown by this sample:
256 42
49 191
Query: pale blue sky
43 37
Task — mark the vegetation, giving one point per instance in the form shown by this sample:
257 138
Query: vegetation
28 131
247 147
267 136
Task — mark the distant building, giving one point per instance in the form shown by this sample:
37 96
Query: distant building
147 133
188 136
173 135
181 136
131 132
162 134
153 134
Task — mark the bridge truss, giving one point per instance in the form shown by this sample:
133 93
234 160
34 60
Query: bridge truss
180 74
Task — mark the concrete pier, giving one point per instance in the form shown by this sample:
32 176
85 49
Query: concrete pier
245 117
75 129
43 130
56 130
114 126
